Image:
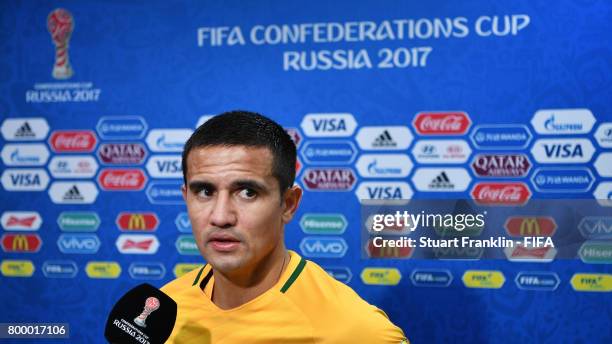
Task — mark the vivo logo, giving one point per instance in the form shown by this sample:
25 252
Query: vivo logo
322 247
78 243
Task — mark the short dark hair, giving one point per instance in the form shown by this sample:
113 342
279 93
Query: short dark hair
244 128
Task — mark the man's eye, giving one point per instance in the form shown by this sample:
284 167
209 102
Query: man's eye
248 193
205 192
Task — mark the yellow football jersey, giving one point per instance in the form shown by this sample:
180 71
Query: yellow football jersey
306 305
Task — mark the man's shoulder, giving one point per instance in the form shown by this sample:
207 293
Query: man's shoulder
326 301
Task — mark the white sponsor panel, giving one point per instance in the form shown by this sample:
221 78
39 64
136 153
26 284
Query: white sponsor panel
73 166
165 166
562 151
392 193
603 135
25 129
73 192
441 179
137 243
603 194
384 138
603 164
25 179
384 165
21 220
329 124
441 151
26 154
563 121
203 119
167 140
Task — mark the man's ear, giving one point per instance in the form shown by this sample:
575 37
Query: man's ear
291 201
184 191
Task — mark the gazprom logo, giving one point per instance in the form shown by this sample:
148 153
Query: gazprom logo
323 247
33 154
121 127
168 140
78 243
563 121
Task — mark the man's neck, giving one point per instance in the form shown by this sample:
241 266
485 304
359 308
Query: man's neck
231 291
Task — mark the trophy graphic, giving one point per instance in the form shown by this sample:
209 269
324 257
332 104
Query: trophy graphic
60 25
151 304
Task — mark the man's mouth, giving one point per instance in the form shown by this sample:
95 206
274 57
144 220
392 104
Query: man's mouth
223 242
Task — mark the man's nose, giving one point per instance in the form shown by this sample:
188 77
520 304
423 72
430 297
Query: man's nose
223 214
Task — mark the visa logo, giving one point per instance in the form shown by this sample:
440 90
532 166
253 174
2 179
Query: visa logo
323 247
329 125
563 151
25 179
78 243
384 193
169 166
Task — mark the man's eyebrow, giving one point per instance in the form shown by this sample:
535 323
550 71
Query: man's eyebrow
249 184
199 185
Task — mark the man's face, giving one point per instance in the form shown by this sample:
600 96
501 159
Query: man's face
235 206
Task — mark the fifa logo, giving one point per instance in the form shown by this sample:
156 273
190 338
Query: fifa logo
60 25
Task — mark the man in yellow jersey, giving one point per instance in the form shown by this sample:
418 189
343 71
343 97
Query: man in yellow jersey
239 171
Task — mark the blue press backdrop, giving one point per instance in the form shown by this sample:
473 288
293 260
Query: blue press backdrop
143 59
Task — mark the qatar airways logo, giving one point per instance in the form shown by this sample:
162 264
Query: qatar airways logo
442 123
69 141
501 193
122 179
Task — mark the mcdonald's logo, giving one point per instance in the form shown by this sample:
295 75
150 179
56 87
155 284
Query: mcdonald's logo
522 226
388 252
146 222
21 243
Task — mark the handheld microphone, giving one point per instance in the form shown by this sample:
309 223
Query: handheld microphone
144 315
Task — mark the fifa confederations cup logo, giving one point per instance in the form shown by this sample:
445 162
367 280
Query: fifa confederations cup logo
151 304
60 25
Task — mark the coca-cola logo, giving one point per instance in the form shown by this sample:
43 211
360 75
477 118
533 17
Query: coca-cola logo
501 165
122 153
442 123
501 193
69 141
122 179
329 179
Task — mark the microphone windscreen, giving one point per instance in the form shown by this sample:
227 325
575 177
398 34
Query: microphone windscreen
143 315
